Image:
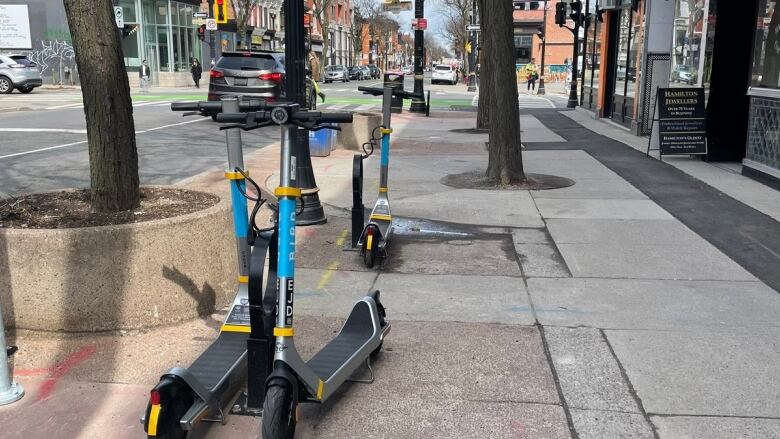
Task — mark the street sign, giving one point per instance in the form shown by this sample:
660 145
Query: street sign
396 6
200 15
419 23
472 28
198 21
211 24
119 17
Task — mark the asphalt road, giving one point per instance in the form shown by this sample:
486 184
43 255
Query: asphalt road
43 134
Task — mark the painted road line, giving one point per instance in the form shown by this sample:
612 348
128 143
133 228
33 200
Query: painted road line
338 106
325 278
71 105
163 104
143 103
172 125
41 150
42 130
365 107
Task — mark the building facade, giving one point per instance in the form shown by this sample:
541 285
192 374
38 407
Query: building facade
335 19
531 17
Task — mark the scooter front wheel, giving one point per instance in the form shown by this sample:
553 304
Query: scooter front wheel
370 248
279 413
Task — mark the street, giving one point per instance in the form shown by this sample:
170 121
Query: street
44 133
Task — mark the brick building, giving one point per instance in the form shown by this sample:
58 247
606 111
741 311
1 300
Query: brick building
529 17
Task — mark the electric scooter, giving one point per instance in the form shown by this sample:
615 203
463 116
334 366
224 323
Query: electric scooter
292 380
184 397
376 233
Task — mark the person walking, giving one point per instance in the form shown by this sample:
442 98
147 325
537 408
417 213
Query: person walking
197 70
531 75
143 74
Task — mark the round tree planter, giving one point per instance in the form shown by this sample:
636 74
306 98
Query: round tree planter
355 134
118 277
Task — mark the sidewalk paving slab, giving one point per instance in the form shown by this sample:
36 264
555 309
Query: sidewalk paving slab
600 209
688 427
723 373
598 424
654 304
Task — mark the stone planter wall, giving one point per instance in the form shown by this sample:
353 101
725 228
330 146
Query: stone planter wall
354 135
118 277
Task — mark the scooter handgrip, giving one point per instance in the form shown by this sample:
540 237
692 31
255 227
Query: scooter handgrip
210 107
336 118
185 106
232 117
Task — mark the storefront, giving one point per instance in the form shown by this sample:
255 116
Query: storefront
762 156
161 32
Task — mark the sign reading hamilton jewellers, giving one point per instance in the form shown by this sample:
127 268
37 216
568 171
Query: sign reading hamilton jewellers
680 117
14 27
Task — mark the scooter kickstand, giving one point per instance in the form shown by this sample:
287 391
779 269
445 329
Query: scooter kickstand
370 374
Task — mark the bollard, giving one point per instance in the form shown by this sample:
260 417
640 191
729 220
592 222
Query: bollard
9 390
357 199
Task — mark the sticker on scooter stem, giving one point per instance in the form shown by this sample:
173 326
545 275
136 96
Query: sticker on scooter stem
293 167
289 304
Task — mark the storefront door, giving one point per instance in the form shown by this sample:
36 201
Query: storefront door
623 65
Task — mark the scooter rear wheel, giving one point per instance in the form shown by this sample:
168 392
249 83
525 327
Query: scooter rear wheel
370 248
279 415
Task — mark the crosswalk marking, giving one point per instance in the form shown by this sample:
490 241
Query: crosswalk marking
365 107
65 106
524 102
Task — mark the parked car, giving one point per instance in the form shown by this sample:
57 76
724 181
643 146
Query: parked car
375 72
18 72
444 73
684 73
355 73
336 73
366 72
257 74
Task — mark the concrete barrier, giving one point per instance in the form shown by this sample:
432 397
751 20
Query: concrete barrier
118 277
354 135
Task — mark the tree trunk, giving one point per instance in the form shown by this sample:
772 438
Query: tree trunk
113 159
505 163
485 69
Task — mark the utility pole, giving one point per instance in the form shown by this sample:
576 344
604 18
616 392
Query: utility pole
418 102
212 39
578 17
543 36
472 52
295 82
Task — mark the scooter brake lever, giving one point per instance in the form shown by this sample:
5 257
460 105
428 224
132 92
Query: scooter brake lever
190 113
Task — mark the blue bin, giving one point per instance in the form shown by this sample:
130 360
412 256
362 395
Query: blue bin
321 142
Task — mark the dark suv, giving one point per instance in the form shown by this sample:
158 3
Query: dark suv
375 72
248 74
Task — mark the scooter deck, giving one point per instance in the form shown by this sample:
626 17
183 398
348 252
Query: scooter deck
356 332
223 354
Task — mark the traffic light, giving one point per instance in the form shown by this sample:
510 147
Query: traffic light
220 11
202 32
560 13
540 32
576 11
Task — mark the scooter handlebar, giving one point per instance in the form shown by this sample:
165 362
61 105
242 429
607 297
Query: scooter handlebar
299 116
376 91
214 107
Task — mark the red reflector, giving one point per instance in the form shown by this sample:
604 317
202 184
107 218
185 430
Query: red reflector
216 74
276 77
154 398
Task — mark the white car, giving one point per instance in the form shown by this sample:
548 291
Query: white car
443 73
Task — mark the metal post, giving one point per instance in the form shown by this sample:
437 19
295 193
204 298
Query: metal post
418 102
295 54
473 52
212 40
9 390
573 101
544 46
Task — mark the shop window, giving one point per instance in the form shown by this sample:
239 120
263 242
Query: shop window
692 43
766 49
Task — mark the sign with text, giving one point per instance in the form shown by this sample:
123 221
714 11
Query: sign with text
680 117
14 27
419 23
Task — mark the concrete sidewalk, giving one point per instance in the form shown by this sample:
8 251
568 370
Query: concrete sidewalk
585 312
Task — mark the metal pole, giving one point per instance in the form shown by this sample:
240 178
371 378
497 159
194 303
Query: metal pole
212 40
473 53
295 54
544 46
418 102
9 390
573 101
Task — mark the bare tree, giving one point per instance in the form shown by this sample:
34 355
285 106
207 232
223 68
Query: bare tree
242 9
505 162
322 17
455 14
113 158
380 24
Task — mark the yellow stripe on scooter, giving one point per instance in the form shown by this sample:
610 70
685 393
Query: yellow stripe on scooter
230 175
154 415
369 240
284 332
320 388
381 217
236 328
382 190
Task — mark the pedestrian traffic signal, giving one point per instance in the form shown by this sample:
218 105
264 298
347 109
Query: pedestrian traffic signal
560 13
202 32
220 11
576 12
467 46
540 32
